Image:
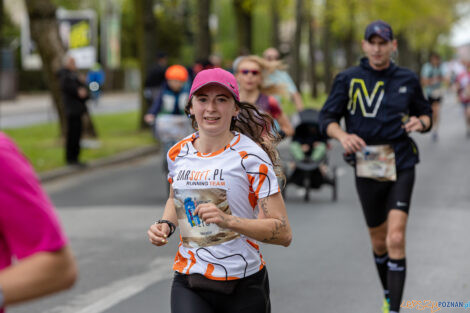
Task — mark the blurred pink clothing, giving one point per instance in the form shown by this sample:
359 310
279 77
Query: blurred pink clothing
28 222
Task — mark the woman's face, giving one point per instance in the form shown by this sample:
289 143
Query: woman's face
213 107
249 75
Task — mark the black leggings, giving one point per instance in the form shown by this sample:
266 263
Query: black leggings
250 296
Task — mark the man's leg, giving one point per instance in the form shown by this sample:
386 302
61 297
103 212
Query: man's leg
372 195
435 118
467 119
395 242
378 239
74 130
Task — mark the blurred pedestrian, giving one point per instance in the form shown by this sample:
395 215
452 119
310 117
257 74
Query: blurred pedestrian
432 79
167 111
74 94
381 103
95 81
35 259
280 76
250 73
155 78
463 91
224 196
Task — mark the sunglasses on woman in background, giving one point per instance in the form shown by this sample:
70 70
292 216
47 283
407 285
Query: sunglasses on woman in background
253 72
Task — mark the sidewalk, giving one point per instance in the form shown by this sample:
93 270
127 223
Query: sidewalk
31 109
119 158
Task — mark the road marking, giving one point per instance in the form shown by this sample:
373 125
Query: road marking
101 299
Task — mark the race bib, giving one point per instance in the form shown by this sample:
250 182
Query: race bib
376 162
194 232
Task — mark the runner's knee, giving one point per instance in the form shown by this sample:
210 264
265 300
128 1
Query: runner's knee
396 240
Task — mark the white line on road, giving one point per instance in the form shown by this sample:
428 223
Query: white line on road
101 299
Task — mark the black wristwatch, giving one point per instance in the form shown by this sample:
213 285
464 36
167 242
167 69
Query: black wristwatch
172 226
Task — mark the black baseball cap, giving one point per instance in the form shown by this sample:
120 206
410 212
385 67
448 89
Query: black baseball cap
379 28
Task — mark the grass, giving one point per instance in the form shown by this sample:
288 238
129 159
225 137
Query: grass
45 149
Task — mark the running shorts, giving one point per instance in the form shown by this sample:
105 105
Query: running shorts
378 198
432 100
251 295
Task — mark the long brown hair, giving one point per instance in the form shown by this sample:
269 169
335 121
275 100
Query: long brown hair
256 125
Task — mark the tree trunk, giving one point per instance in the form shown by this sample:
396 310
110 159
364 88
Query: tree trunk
275 41
327 43
204 39
1 27
312 53
150 31
145 39
349 41
44 31
296 72
243 15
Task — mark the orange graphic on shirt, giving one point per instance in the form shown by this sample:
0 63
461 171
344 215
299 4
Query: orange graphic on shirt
176 149
210 270
180 261
193 261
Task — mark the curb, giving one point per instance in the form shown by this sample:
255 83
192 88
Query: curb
108 161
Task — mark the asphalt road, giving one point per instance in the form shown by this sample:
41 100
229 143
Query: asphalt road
328 268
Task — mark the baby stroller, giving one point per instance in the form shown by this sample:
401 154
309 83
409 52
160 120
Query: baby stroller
169 129
308 148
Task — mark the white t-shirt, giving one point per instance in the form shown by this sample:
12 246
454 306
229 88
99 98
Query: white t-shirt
233 178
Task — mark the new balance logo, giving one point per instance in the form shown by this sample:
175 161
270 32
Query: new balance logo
358 94
399 203
402 89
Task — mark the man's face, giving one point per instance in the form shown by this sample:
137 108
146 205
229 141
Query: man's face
379 51
435 60
271 54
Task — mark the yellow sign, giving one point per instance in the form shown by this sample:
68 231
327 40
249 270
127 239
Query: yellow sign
79 35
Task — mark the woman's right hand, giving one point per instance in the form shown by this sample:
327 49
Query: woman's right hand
158 234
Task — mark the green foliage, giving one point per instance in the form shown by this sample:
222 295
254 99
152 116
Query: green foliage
261 28
170 33
128 35
420 21
44 148
9 31
225 37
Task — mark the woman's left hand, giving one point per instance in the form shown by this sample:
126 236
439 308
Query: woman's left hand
210 213
413 124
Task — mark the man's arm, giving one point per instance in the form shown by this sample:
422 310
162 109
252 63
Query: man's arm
40 274
299 103
350 142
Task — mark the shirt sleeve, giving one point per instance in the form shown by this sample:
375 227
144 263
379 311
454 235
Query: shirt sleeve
336 104
425 71
28 222
274 107
419 105
260 173
291 87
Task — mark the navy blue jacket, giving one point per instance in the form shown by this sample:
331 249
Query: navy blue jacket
375 105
